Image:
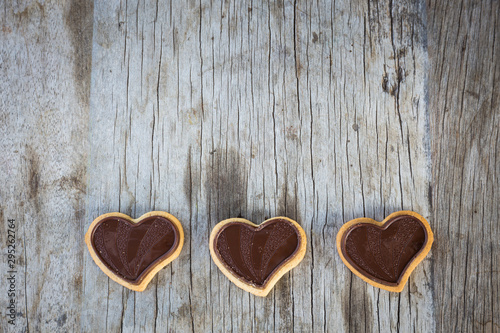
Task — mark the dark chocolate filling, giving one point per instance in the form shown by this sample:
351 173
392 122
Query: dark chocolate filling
131 250
384 253
254 254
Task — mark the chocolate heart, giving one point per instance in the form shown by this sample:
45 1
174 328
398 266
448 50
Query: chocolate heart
252 253
130 251
384 253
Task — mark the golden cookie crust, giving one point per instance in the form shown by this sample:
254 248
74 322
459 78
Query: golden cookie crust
156 268
275 276
413 264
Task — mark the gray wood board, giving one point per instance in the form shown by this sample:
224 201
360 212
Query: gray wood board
211 111
317 111
45 60
465 98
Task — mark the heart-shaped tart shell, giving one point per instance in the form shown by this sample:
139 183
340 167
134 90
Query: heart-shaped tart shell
278 272
412 264
156 267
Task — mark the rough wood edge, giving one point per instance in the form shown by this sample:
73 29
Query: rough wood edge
161 264
400 286
276 276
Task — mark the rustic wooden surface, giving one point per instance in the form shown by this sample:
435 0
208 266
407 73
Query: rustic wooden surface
322 111
464 94
45 62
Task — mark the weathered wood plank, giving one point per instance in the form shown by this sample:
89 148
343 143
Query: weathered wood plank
317 111
45 58
314 111
464 94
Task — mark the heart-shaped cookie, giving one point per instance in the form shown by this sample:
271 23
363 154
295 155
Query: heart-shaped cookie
256 257
385 253
131 251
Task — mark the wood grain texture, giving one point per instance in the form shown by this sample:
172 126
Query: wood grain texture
320 111
211 111
45 59
464 90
